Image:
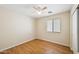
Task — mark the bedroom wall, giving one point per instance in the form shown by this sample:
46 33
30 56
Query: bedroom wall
63 37
14 28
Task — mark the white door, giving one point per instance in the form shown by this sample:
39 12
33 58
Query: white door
74 32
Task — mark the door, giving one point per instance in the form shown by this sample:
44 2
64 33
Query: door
75 32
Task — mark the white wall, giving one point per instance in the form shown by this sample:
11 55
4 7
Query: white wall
14 28
61 38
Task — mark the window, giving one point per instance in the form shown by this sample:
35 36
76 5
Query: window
53 25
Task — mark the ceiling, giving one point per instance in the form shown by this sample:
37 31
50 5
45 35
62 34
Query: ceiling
27 9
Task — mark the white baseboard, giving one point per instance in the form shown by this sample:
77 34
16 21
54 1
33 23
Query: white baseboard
56 42
28 41
15 45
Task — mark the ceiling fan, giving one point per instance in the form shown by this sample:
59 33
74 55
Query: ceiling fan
40 8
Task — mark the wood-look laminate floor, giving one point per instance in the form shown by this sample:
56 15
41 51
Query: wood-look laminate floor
38 47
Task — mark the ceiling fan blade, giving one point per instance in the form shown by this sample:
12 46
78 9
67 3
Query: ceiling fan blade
44 8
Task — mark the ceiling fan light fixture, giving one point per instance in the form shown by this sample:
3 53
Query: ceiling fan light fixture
39 12
40 8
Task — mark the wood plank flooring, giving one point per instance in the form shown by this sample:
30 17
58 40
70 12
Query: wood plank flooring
38 46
